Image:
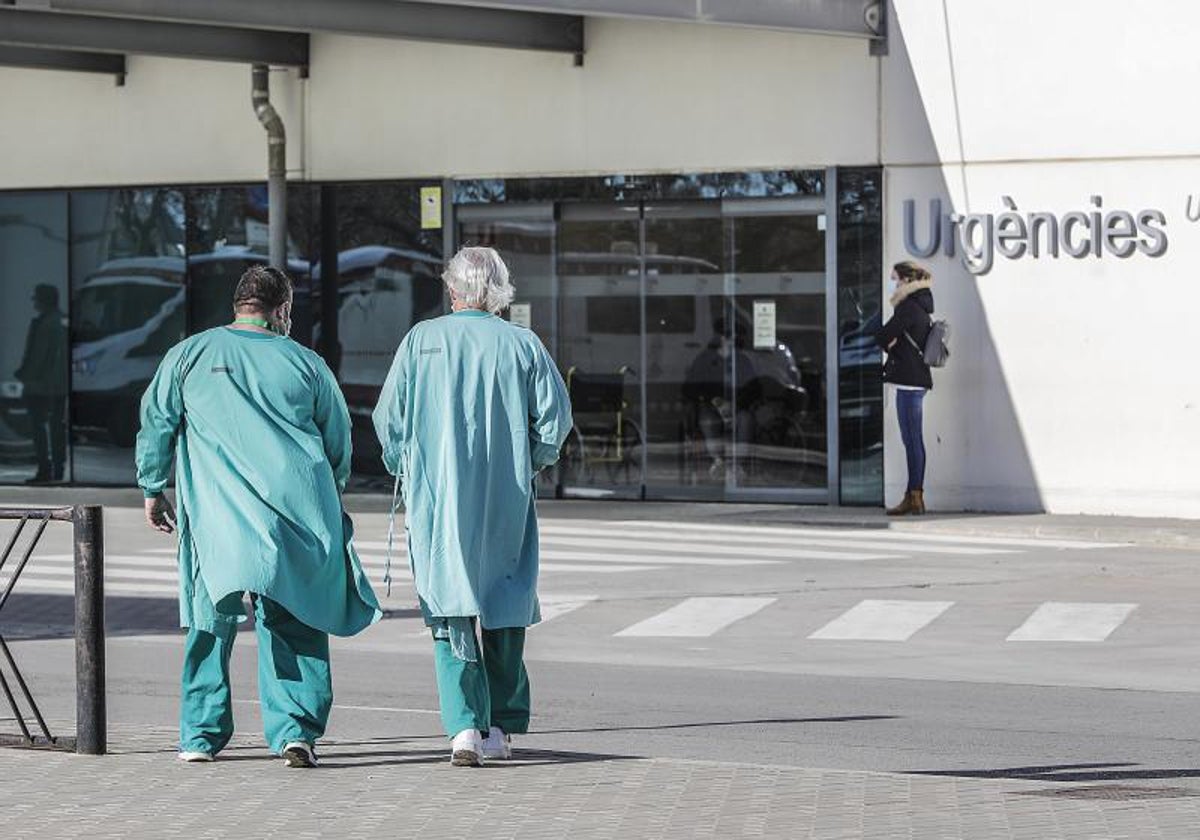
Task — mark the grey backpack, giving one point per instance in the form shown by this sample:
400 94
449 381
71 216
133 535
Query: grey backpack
936 351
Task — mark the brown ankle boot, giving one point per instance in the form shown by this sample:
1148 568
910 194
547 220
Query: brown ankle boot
904 508
918 502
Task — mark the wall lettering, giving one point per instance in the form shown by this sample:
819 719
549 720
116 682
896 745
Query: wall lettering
1014 234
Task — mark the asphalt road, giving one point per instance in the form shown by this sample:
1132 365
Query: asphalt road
1010 657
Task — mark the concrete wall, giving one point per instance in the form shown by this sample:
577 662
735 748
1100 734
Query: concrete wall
650 97
1072 387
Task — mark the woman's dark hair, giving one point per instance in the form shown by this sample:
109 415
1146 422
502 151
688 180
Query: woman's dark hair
909 271
262 288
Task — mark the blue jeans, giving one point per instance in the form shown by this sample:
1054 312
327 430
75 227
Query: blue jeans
909 409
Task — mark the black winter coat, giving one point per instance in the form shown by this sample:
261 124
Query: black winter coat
905 363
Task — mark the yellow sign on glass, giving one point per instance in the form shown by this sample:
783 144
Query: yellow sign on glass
431 208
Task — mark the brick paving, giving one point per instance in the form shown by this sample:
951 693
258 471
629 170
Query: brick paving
405 788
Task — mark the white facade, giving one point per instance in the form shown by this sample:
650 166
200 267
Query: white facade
1071 388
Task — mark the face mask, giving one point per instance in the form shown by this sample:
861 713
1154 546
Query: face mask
893 286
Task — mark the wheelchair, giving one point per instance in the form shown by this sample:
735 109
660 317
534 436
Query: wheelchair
605 444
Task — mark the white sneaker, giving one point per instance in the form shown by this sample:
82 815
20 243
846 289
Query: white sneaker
299 754
497 744
195 756
466 750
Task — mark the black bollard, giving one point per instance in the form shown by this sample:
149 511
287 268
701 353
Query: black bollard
91 716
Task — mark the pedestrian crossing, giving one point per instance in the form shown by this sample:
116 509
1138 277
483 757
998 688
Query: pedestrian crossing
575 548
697 617
1059 622
882 621
581 554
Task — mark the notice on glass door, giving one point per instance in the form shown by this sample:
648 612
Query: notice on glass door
520 315
431 208
764 324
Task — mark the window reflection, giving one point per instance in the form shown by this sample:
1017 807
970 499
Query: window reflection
860 292
388 275
600 349
128 308
227 234
688 442
779 323
525 240
33 342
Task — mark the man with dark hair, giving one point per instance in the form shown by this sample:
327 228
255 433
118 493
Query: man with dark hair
43 375
261 440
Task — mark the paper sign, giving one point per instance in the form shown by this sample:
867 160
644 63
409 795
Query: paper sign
520 315
764 324
431 208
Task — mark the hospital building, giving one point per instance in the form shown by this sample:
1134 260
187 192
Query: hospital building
699 200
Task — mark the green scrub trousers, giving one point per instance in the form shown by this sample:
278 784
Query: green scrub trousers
492 691
295 684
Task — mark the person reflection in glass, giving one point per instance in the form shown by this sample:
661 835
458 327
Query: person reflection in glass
43 376
721 361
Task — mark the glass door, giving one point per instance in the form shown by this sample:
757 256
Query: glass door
778 401
600 349
525 236
689 435
693 338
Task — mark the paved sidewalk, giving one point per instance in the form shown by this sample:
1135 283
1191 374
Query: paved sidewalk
404 787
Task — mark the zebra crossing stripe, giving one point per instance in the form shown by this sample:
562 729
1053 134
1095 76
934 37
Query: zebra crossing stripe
697 617
882 621
554 606
660 559
874 535
38 583
701 548
1056 621
763 536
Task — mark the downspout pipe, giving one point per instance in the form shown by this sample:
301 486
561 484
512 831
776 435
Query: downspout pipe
260 97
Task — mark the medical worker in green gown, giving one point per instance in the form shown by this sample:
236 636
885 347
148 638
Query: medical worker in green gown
472 409
260 438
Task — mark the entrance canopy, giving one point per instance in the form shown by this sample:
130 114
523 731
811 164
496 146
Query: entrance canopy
95 35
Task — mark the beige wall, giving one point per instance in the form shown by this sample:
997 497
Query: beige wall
650 97
173 122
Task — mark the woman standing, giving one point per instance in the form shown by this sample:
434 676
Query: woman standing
903 337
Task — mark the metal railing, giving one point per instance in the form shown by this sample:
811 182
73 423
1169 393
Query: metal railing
91 726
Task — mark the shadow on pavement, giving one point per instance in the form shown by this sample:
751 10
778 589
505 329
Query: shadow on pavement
707 724
332 759
38 616
1096 772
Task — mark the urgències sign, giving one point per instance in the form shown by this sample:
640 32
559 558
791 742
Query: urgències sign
1014 234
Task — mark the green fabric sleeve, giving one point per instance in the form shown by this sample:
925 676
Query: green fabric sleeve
389 412
333 419
549 409
161 416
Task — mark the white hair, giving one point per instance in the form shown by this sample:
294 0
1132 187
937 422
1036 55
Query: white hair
479 278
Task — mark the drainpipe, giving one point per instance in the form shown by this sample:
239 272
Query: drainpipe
260 96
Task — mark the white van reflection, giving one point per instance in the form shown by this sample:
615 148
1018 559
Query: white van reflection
127 315
124 317
382 292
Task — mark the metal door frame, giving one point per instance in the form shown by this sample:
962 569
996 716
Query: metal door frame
621 211
729 208
808 206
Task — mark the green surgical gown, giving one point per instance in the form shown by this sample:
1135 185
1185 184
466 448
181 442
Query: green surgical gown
472 409
260 435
